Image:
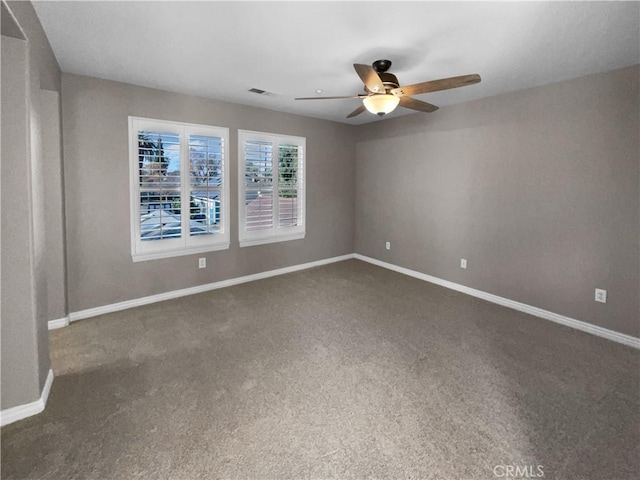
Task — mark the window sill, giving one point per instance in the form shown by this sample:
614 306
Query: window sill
271 239
142 257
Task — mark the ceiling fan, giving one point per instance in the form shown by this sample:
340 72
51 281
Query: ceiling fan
384 93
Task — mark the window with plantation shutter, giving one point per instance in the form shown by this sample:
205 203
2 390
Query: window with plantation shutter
179 188
271 187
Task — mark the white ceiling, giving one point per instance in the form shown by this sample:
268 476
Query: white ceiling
222 49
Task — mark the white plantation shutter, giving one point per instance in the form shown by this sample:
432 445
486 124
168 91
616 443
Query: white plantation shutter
179 188
159 184
206 178
290 173
271 187
258 184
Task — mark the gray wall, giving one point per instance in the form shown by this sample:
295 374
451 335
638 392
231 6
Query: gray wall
48 71
19 335
55 261
27 66
537 189
96 165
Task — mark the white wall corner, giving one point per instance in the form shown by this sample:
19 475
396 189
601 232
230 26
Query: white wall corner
20 412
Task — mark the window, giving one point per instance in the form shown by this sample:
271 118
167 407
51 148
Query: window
271 186
179 188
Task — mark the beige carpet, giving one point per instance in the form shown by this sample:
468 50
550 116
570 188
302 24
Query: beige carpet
344 371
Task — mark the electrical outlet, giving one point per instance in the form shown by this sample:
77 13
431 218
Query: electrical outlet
601 295
463 263
387 245
202 262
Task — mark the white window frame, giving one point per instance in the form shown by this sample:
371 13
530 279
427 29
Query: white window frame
186 244
276 233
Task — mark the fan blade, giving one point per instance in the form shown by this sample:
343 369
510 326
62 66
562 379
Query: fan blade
437 85
357 111
413 104
369 77
329 98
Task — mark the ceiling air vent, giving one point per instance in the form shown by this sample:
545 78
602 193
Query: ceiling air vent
258 91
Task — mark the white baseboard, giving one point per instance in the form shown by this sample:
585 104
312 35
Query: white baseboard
58 323
137 302
14 414
522 307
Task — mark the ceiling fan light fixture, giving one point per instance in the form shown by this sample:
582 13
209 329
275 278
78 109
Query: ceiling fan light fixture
383 92
381 104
